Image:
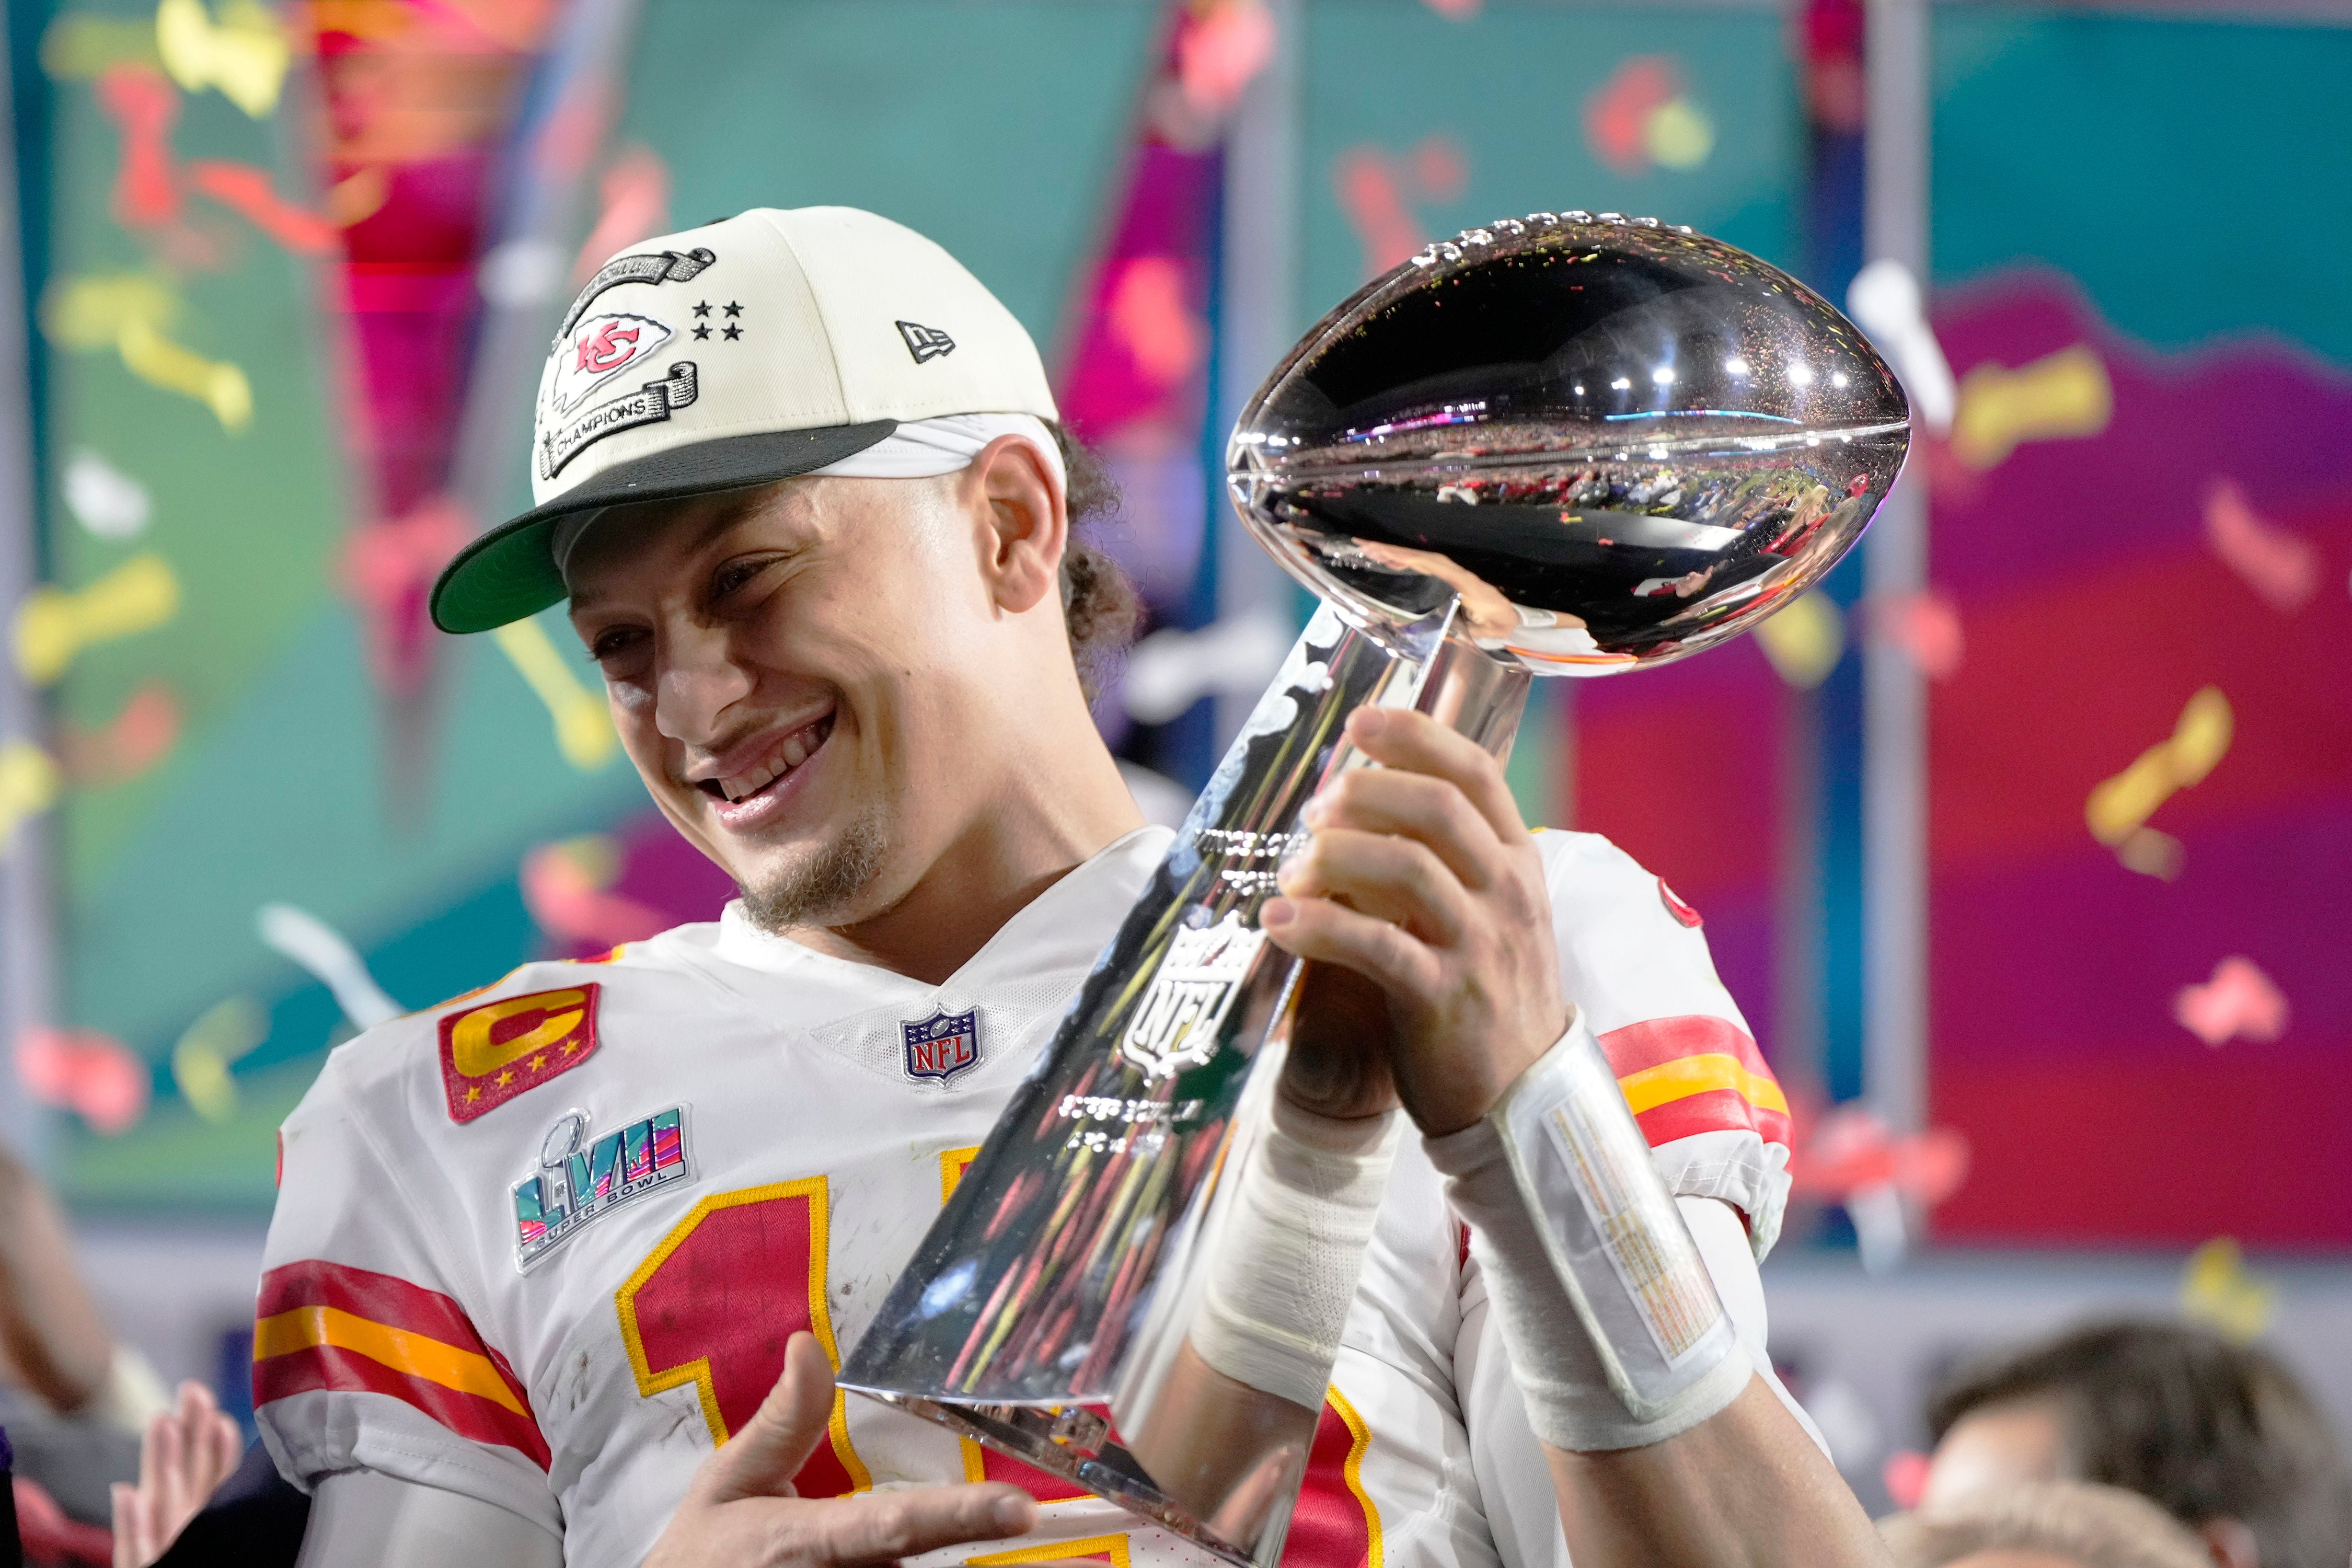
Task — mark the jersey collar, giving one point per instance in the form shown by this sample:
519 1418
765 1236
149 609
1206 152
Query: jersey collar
1062 928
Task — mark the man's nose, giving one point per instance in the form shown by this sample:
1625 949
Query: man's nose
698 682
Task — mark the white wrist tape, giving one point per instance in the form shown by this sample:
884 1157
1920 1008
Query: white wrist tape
1310 1189
1616 1334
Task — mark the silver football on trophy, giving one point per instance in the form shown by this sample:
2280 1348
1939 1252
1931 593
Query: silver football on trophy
1616 440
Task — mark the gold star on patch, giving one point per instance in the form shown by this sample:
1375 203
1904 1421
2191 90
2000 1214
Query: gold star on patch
505 1078
539 1061
473 1091
570 1047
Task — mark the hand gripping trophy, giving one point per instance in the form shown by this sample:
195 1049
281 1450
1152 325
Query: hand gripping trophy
1562 445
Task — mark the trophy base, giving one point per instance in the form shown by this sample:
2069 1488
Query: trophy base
1075 1444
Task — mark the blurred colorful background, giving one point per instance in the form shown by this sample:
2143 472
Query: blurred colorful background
2026 844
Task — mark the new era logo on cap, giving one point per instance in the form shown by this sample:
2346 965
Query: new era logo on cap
925 342
830 343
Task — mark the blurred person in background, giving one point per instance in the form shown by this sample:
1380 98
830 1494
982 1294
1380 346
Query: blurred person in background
2060 1524
97 1440
2220 1435
73 1401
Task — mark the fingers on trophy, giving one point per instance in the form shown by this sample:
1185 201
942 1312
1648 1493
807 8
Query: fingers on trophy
1562 445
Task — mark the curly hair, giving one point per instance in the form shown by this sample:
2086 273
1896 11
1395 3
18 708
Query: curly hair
1099 605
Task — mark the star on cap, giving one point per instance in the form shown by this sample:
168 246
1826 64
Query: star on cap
702 307
700 332
732 333
733 308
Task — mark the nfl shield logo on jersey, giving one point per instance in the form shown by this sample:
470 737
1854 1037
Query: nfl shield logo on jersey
942 1045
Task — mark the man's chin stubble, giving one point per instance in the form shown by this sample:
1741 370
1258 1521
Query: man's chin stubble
825 886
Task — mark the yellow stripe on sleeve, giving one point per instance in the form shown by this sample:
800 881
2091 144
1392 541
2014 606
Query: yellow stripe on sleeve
1686 1075
310 1328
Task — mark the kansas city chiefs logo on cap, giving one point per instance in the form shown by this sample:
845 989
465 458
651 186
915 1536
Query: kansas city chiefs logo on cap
598 348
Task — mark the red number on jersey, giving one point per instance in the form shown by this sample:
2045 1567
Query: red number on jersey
714 1303
1335 1524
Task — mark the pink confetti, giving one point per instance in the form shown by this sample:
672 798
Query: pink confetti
138 736
1617 114
144 106
566 902
389 565
1373 199
1441 171
1219 54
247 190
1924 626
1376 193
1454 10
2283 569
1906 1475
1852 1149
1148 314
91 1074
2239 1001
635 196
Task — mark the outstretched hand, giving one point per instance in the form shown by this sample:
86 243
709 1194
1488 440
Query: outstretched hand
1421 879
740 1509
186 1454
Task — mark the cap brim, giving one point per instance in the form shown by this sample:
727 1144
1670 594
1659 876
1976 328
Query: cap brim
509 572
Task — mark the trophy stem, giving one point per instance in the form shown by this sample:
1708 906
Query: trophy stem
1468 690
1048 1312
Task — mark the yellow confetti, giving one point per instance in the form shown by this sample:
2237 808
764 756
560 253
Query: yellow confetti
89 311
1804 640
2058 395
2217 1289
358 196
245 54
128 312
210 1047
583 729
1679 134
78 46
53 625
2151 852
2117 808
28 786
374 20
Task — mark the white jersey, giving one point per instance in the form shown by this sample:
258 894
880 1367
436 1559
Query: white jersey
544 1244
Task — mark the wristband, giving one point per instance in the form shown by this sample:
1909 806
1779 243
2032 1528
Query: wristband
1616 1334
1310 1189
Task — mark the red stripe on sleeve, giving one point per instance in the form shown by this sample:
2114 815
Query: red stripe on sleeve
1653 1042
469 1415
384 1299
1712 1110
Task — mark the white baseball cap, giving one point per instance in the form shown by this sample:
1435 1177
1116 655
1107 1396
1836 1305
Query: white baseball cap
747 351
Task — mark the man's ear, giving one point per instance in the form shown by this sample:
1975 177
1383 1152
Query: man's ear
1028 524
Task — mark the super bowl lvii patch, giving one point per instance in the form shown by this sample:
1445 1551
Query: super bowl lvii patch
495 1051
942 1045
580 1178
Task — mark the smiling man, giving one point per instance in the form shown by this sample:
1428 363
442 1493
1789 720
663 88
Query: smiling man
561 1269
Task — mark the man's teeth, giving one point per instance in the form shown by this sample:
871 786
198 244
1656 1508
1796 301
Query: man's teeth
788 756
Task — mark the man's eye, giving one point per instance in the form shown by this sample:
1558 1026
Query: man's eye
736 574
612 645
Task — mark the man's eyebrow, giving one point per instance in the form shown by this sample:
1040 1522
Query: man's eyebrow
737 506
733 508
